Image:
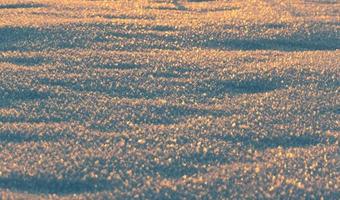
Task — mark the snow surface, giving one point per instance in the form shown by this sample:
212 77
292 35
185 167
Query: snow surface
147 99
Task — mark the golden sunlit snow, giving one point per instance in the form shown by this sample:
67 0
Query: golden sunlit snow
169 99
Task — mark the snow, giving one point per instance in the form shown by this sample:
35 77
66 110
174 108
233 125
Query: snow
169 99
